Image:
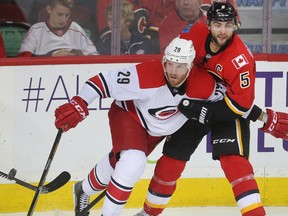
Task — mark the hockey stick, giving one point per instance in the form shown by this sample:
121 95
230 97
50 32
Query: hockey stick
90 205
45 172
56 183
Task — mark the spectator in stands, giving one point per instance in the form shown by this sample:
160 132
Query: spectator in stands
58 36
132 42
2 47
188 12
148 16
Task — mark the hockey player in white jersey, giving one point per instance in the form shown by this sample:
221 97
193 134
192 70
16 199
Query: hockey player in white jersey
144 112
58 36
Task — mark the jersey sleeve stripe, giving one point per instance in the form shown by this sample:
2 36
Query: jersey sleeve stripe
105 85
232 107
96 88
99 84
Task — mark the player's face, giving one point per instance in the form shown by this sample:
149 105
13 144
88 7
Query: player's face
176 72
59 16
188 9
221 32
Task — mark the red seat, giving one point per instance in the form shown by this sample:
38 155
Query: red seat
12 12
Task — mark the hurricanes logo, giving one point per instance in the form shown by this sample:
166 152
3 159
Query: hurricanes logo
163 113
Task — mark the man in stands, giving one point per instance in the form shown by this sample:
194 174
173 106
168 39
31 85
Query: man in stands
187 13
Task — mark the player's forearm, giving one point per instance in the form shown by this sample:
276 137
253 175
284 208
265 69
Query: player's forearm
257 114
226 113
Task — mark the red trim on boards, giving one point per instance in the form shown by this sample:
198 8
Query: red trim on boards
109 59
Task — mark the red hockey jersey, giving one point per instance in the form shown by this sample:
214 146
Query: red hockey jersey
235 67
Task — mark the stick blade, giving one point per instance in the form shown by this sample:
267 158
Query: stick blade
58 182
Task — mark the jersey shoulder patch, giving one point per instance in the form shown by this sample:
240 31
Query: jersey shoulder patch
151 74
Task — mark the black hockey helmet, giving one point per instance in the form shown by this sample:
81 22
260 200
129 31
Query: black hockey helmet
221 11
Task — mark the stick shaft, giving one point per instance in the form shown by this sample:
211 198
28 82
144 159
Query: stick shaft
18 181
45 172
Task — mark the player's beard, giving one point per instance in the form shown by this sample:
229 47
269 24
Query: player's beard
216 42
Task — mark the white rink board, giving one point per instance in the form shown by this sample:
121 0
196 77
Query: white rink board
27 129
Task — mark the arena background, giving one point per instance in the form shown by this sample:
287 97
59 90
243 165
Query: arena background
32 89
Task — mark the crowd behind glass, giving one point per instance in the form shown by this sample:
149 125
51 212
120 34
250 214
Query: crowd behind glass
262 24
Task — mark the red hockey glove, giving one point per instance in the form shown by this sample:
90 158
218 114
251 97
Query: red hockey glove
70 114
277 124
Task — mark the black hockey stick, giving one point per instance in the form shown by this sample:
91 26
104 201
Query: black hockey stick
45 172
90 205
56 183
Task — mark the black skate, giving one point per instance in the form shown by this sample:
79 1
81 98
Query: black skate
81 200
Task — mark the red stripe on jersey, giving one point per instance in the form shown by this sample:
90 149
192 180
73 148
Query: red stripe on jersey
96 80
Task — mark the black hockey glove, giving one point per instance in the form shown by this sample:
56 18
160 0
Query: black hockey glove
196 110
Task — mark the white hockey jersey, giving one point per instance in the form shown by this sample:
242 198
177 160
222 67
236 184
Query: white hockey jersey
41 40
142 90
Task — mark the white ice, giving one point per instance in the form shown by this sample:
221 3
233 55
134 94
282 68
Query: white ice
191 211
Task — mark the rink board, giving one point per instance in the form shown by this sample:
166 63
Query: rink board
30 94
190 192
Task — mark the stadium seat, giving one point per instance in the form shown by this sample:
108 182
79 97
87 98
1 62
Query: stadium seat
13 33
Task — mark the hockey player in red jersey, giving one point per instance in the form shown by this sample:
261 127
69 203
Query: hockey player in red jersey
221 52
144 111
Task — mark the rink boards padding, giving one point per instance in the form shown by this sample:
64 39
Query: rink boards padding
190 192
32 88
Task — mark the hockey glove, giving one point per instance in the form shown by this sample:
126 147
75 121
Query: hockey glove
277 124
196 110
70 114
